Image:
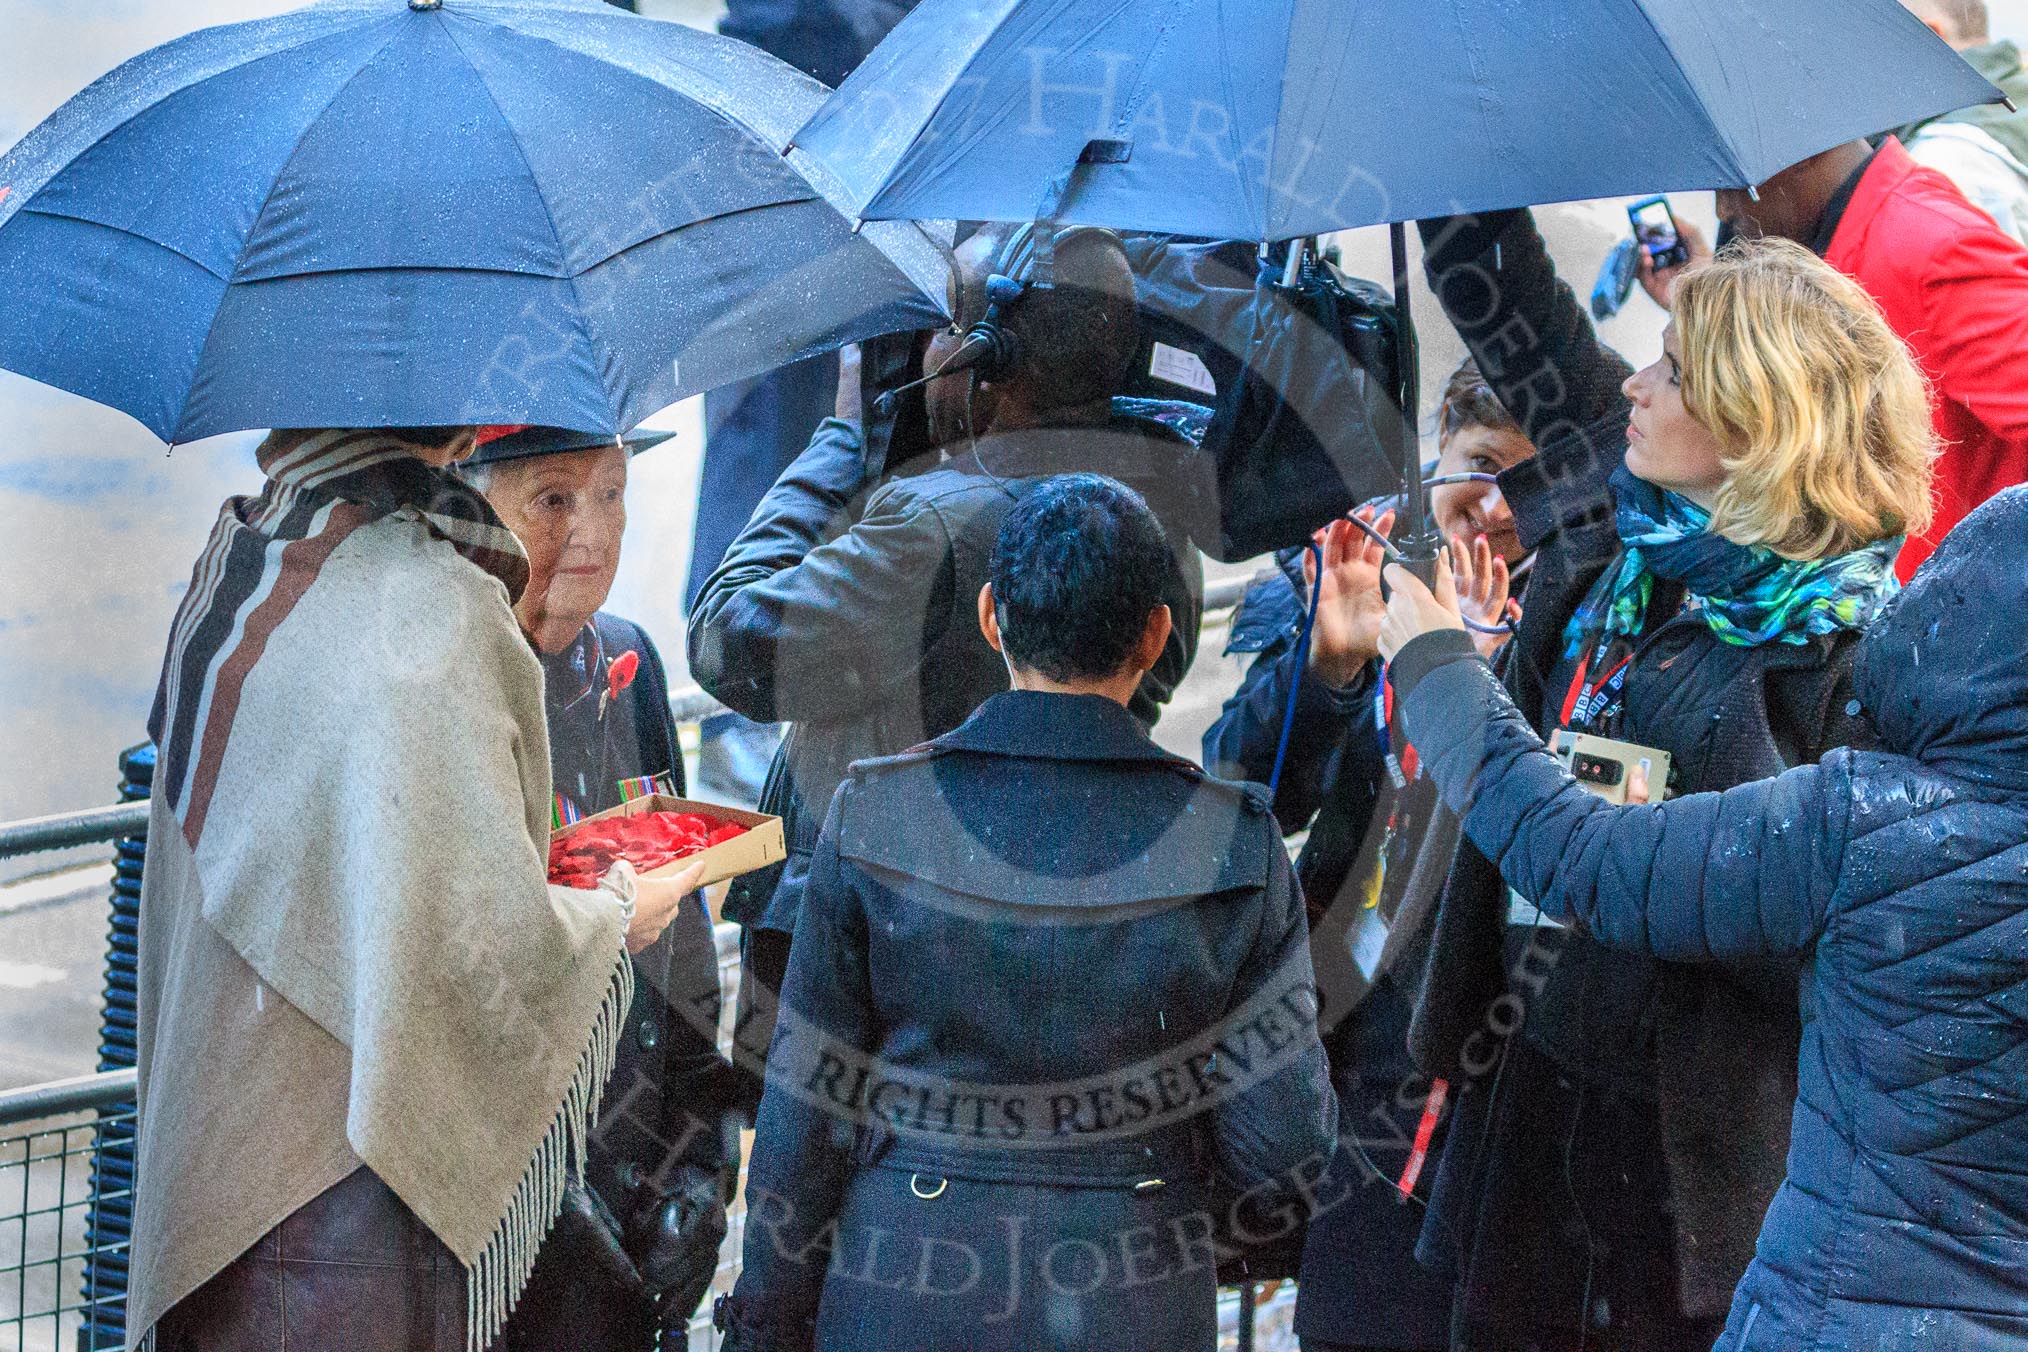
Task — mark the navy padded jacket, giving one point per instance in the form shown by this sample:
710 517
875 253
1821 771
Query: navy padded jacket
1903 1222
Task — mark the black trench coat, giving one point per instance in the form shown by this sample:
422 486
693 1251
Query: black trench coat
1049 1000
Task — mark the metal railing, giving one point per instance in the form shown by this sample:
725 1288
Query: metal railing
58 1290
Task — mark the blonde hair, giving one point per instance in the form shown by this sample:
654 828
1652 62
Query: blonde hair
1822 413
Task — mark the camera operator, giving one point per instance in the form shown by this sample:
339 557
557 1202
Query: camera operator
1044 1136
848 609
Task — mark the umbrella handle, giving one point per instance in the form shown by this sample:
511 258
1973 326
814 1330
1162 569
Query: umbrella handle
1414 535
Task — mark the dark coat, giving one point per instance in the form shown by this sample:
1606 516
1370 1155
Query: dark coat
856 616
1657 1215
1899 880
658 1132
1360 1283
1050 989
823 38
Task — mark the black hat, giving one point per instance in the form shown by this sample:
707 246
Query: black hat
510 442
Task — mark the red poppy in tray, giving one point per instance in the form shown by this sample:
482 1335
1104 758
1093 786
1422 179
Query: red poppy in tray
662 834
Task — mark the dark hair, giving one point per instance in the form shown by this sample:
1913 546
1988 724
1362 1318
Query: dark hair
1078 336
1078 570
431 438
1469 401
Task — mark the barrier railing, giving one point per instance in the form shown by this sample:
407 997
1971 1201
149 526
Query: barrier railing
58 1288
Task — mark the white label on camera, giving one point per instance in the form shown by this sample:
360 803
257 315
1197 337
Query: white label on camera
1181 367
1527 915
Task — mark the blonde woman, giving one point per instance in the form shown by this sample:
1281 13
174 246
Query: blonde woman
1722 525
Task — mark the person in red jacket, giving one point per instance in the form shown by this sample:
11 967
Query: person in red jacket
1953 285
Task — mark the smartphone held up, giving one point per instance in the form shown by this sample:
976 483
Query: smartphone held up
1655 230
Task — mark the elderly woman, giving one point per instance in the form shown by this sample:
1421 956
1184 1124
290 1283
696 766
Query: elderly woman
640 1246
372 1036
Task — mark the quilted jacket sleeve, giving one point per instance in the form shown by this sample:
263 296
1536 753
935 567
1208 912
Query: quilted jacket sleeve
1715 876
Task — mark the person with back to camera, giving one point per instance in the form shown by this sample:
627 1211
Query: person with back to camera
371 1034
1361 1286
1897 877
1050 991
845 607
1606 1167
1982 150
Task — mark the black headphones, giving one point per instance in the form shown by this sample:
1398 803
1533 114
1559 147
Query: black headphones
1025 261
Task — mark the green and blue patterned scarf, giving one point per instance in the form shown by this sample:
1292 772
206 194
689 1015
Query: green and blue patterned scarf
1749 595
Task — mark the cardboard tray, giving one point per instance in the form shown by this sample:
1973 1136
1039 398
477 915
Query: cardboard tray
760 846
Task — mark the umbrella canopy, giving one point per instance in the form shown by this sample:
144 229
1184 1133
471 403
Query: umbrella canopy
1270 119
409 212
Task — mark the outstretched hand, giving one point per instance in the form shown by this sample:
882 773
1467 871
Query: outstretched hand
850 401
1349 608
1484 592
1660 283
1414 610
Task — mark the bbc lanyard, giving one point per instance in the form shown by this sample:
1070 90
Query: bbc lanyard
1595 702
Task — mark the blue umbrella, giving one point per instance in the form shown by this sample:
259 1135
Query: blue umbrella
1276 119
403 212
1272 119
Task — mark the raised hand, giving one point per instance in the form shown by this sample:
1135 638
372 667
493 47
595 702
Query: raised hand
1660 283
1483 591
1414 610
1349 608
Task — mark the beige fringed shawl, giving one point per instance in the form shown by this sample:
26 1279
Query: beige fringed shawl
349 952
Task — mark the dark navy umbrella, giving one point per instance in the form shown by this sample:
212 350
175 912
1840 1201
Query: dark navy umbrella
1271 119
1276 119
401 212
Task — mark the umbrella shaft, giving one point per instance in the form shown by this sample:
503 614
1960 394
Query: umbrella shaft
1415 535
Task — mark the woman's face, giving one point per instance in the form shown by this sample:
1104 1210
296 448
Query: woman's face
1467 511
1666 445
569 511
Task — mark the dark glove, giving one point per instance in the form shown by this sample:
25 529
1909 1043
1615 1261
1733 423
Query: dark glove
674 1238
584 1291
586 1229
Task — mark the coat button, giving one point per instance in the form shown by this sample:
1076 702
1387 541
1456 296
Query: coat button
1851 708
648 1035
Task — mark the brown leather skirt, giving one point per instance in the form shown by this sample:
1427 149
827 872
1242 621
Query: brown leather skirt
352 1271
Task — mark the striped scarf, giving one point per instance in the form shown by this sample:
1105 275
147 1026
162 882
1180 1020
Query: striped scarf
1747 595
516 1037
264 553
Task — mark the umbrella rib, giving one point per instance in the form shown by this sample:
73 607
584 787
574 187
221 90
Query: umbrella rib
614 401
309 125
1703 113
203 73
699 87
130 233
211 327
887 179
